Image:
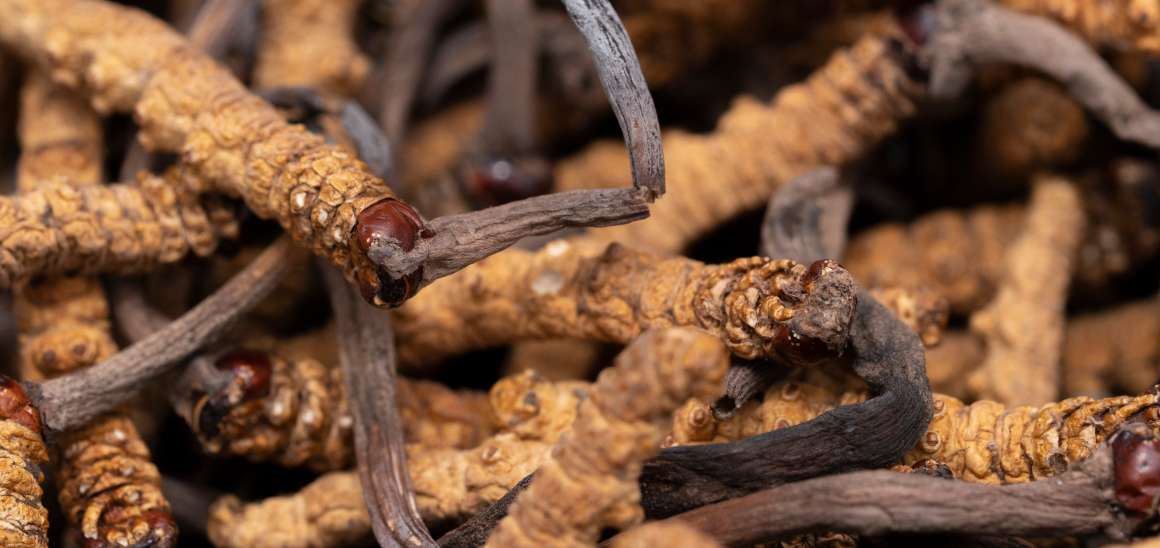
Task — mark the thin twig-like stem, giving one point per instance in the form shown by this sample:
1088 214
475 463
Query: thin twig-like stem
806 219
136 318
627 91
971 33
73 400
461 240
367 355
882 502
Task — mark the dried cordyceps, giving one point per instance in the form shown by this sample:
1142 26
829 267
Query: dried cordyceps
259 405
110 490
1131 24
922 310
289 408
59 228
328 512
534 408
581 289
310 43
325 198
590 481
1023 326
1028 125
1113 349
23 520
982 442
841 111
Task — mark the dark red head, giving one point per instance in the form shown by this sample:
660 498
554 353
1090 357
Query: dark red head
499 181
388 221
1137 471
15 405
250 373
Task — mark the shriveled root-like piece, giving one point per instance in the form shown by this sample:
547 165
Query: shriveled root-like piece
534 408
844 109
579 289
1115 349
1030 124
110 490
23 519
328 512
310 43
295 412
1023 327
591 479
124 228
984 442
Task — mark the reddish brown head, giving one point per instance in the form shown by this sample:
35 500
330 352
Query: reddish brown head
1137 471
15 405
123 522
388 222
499 181
824 301
250 373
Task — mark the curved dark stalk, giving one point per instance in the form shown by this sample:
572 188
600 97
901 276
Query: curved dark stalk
72 400
806 219
1078 502
509 125
970 33
884 353
136 318
408 49
627 91
367 355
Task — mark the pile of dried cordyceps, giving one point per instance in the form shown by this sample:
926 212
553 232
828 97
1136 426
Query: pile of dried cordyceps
950 332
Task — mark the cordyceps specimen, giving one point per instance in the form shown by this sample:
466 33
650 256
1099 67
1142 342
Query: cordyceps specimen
1112 492
590 480
310 43
295 412
844 109
576 288
24 521
1130 24
983 442
328 512
109 488
328 201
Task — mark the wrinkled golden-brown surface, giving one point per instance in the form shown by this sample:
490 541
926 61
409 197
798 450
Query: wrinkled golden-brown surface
1130 24
328 512
310 43
1023 326
590 480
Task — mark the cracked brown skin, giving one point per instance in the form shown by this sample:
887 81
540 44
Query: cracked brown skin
580 289
845 108
590 480
1023 326
186 103
23 519
108 488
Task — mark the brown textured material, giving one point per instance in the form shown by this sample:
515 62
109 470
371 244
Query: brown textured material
328 512
310 43
109 489
922 309
1030 124
983 442
1023 326
289 406
834 117
270 409
186 103
590 481
125 228
556 359
23 519
671 534
534 408
581 289
1130 24
1113 349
